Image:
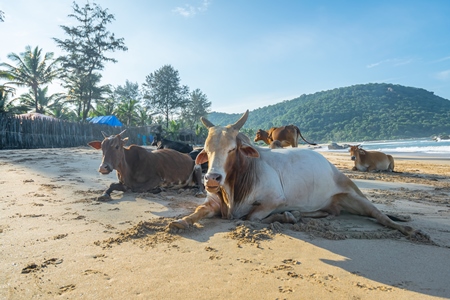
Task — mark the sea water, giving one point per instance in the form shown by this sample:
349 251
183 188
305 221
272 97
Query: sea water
412 146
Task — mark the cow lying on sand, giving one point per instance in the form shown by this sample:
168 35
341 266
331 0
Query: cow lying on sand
287 135
140 170
370 161
253 183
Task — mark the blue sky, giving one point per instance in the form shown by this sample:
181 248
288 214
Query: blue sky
249 54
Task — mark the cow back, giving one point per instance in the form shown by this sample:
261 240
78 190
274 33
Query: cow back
165 167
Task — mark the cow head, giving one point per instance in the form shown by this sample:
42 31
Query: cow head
223 146
355 151
112 147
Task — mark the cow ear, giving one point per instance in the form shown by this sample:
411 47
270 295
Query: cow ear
125 139
95 144
249 151
201 158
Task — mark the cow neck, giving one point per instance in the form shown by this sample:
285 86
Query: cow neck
268 140
241 177
224 209
122 167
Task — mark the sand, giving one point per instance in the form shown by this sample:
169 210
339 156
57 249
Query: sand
58 242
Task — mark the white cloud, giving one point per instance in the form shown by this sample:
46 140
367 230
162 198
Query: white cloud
374 64
190 11
444 75
394 62
441 59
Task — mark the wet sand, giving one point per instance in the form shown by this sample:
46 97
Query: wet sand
58 241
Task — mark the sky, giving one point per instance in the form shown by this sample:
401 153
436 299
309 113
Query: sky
247 54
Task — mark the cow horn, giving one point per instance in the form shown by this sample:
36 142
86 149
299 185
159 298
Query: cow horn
206 122
105 135
238 125
122 132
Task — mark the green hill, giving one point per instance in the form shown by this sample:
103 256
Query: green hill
355 113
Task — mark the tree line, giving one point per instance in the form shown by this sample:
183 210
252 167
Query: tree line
86 48
364 112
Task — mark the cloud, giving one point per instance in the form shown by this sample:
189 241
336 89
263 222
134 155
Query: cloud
190 11
441 59
394 62
374 65
443 75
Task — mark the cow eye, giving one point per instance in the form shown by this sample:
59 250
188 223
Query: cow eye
231 150
117 147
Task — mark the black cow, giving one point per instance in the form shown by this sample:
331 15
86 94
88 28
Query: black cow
163 143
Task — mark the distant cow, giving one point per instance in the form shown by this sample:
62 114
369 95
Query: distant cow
140 170
256 183
369 161
194 153
162 143
287 135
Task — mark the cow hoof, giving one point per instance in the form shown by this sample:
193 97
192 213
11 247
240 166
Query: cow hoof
179 224
156 190
420 236
289 218
297 215
104 197
276 227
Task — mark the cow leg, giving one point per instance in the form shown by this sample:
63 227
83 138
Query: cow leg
262 212
198 180
207 210
315 214
294 216
285 217
112 187
356 203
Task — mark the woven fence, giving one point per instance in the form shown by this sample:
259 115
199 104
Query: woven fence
31 133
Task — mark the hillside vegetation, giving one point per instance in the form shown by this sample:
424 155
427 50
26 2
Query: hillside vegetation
356 113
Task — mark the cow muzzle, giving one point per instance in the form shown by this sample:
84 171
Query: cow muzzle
105 169
212 182
353 158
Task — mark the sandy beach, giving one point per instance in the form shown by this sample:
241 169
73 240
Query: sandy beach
58 242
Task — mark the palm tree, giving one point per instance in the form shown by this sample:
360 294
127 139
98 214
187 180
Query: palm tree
144 117
6 105
32 70
127 111
44 104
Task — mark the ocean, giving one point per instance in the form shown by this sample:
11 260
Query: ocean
412 146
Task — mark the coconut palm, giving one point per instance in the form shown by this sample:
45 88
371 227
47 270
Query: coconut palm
144 116
32 70
6 104
127 111
44 103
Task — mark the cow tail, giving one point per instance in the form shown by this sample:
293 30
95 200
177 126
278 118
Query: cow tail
300 134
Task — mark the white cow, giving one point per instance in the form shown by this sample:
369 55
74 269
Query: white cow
253 183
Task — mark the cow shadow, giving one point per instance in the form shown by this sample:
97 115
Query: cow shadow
394 261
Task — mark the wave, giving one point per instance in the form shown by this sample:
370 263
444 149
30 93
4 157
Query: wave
408 146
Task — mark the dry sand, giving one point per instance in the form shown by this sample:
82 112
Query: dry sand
58 242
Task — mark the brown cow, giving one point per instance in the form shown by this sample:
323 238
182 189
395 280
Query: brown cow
256 183
140 170
287 135
370 161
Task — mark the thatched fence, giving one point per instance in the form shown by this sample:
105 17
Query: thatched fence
28 133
